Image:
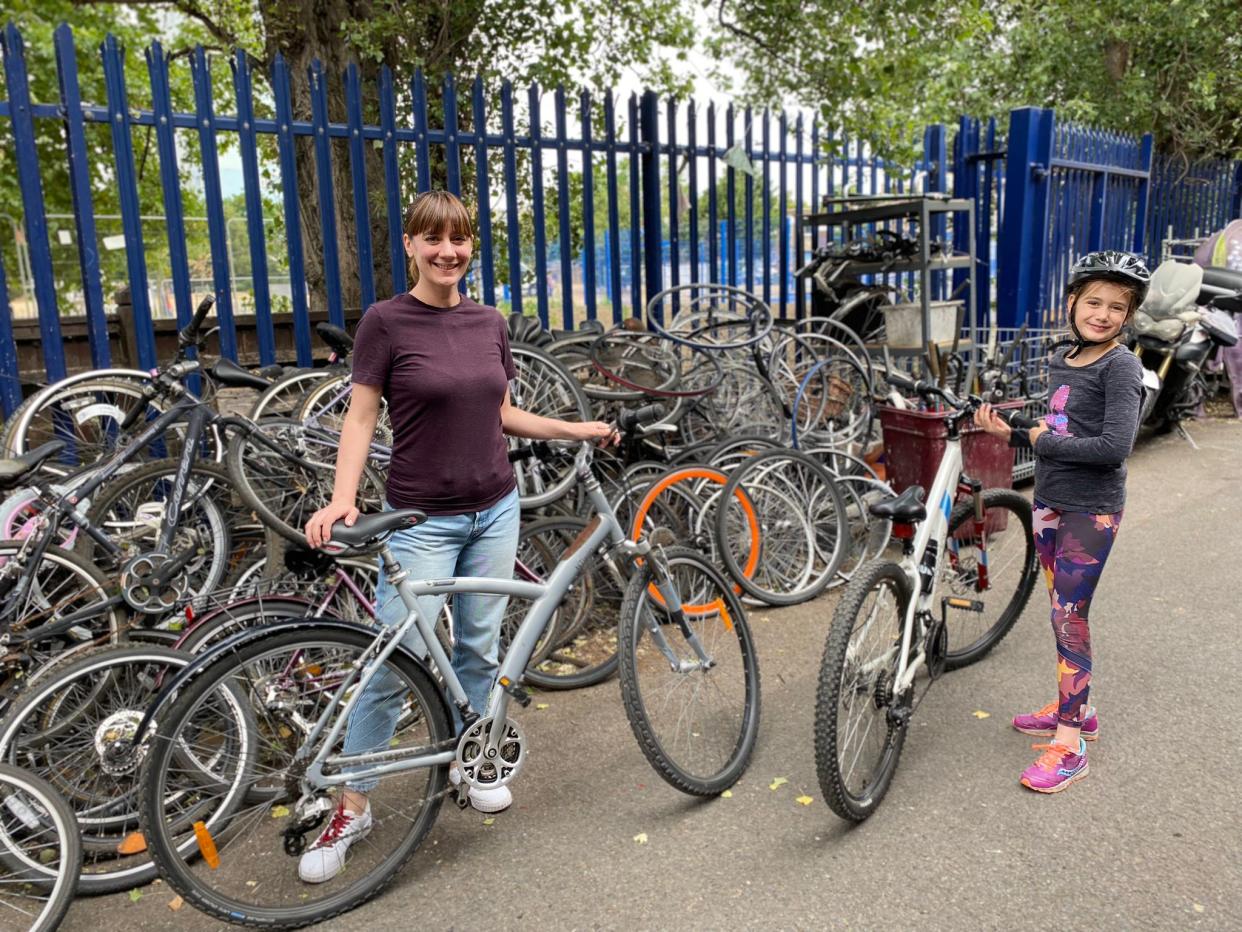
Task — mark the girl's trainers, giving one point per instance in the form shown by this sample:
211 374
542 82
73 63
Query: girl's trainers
1056 768
1044 723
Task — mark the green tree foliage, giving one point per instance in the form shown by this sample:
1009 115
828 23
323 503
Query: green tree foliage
884 69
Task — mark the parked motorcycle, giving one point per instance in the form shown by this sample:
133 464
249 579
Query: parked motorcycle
1185 318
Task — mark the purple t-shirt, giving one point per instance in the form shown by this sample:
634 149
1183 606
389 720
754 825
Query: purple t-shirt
444 371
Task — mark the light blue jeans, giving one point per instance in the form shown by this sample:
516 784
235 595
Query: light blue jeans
479 543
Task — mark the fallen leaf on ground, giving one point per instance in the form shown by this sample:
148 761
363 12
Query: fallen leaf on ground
804 800
176 903
1198 907
489 821
979 713
279 812
540 706
777 783
641 838
135 895
133 843
727 794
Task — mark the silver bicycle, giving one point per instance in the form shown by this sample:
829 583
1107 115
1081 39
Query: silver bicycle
229 801
963 580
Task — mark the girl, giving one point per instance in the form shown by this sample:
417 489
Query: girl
1080 475
442 363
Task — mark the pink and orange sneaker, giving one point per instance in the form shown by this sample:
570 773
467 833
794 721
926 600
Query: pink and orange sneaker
1044 723
1056 768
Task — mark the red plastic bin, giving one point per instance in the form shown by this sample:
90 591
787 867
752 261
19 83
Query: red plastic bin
914 442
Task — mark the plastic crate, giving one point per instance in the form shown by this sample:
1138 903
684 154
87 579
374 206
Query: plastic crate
914 443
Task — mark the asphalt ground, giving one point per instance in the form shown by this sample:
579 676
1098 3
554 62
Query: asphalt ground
1151 839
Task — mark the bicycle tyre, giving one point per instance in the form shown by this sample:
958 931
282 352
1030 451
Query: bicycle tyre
285 395
846 803
545 386
641 596
178 871
36 873
208 499
55 732
1018 508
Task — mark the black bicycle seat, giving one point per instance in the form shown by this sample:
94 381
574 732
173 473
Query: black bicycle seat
905 508
338 339
229 373
370 530
13 471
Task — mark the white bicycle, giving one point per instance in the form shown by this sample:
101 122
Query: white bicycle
963 579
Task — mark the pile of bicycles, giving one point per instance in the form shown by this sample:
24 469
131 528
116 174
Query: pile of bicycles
179 667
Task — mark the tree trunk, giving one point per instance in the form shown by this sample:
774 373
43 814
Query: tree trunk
305 31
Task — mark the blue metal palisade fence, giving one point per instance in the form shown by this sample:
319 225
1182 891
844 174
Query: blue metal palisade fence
672 202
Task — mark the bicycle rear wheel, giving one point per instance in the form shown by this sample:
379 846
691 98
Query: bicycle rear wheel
696 726
1007 549
858 738
248 871
40 853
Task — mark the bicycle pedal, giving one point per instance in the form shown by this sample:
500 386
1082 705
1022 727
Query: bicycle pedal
968 605
515 691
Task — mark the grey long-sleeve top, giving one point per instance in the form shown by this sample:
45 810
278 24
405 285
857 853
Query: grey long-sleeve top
1080 461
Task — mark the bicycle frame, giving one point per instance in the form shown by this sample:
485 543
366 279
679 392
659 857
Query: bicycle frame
935 530
545 596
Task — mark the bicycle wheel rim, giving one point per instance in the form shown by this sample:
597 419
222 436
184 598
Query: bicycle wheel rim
696 726
39 851
255 878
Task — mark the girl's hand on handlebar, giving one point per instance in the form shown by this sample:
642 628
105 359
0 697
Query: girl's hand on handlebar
989 421
319 527
606 435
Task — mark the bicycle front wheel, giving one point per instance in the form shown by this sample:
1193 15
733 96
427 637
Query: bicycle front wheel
695 715
40 853
1007 549
859 731
246 820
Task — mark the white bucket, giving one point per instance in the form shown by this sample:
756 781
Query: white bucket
903 323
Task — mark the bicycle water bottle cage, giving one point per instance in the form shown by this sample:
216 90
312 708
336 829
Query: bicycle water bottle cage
906 508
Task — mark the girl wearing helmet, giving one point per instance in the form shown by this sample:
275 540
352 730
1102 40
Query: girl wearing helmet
1080 449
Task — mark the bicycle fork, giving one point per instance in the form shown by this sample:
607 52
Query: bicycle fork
677 611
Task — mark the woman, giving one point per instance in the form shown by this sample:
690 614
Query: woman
1080 488
442 363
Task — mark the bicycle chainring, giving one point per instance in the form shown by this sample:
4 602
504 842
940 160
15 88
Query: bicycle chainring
487 768
140 589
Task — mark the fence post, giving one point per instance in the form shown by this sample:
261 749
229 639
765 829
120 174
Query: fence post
10 371
966 186
21 115
649 129
936 158
1144 196
1024 233
1235 206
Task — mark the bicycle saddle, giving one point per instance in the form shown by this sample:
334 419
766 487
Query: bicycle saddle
338 340
371 530
229 373
906 508
14 470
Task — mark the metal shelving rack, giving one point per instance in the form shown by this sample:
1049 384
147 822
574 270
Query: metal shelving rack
850 213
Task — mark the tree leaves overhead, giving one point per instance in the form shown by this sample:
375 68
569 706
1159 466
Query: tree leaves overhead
882 70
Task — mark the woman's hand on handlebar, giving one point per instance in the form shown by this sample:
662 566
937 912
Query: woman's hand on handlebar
319 527
987 420
605 435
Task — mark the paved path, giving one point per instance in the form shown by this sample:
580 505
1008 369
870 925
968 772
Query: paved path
1152 839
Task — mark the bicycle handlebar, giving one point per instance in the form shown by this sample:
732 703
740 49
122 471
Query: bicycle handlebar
188 335
629 421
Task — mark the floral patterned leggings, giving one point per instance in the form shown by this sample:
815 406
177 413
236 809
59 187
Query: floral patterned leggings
1072 547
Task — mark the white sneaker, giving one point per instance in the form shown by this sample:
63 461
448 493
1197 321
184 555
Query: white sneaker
497 799
326 857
